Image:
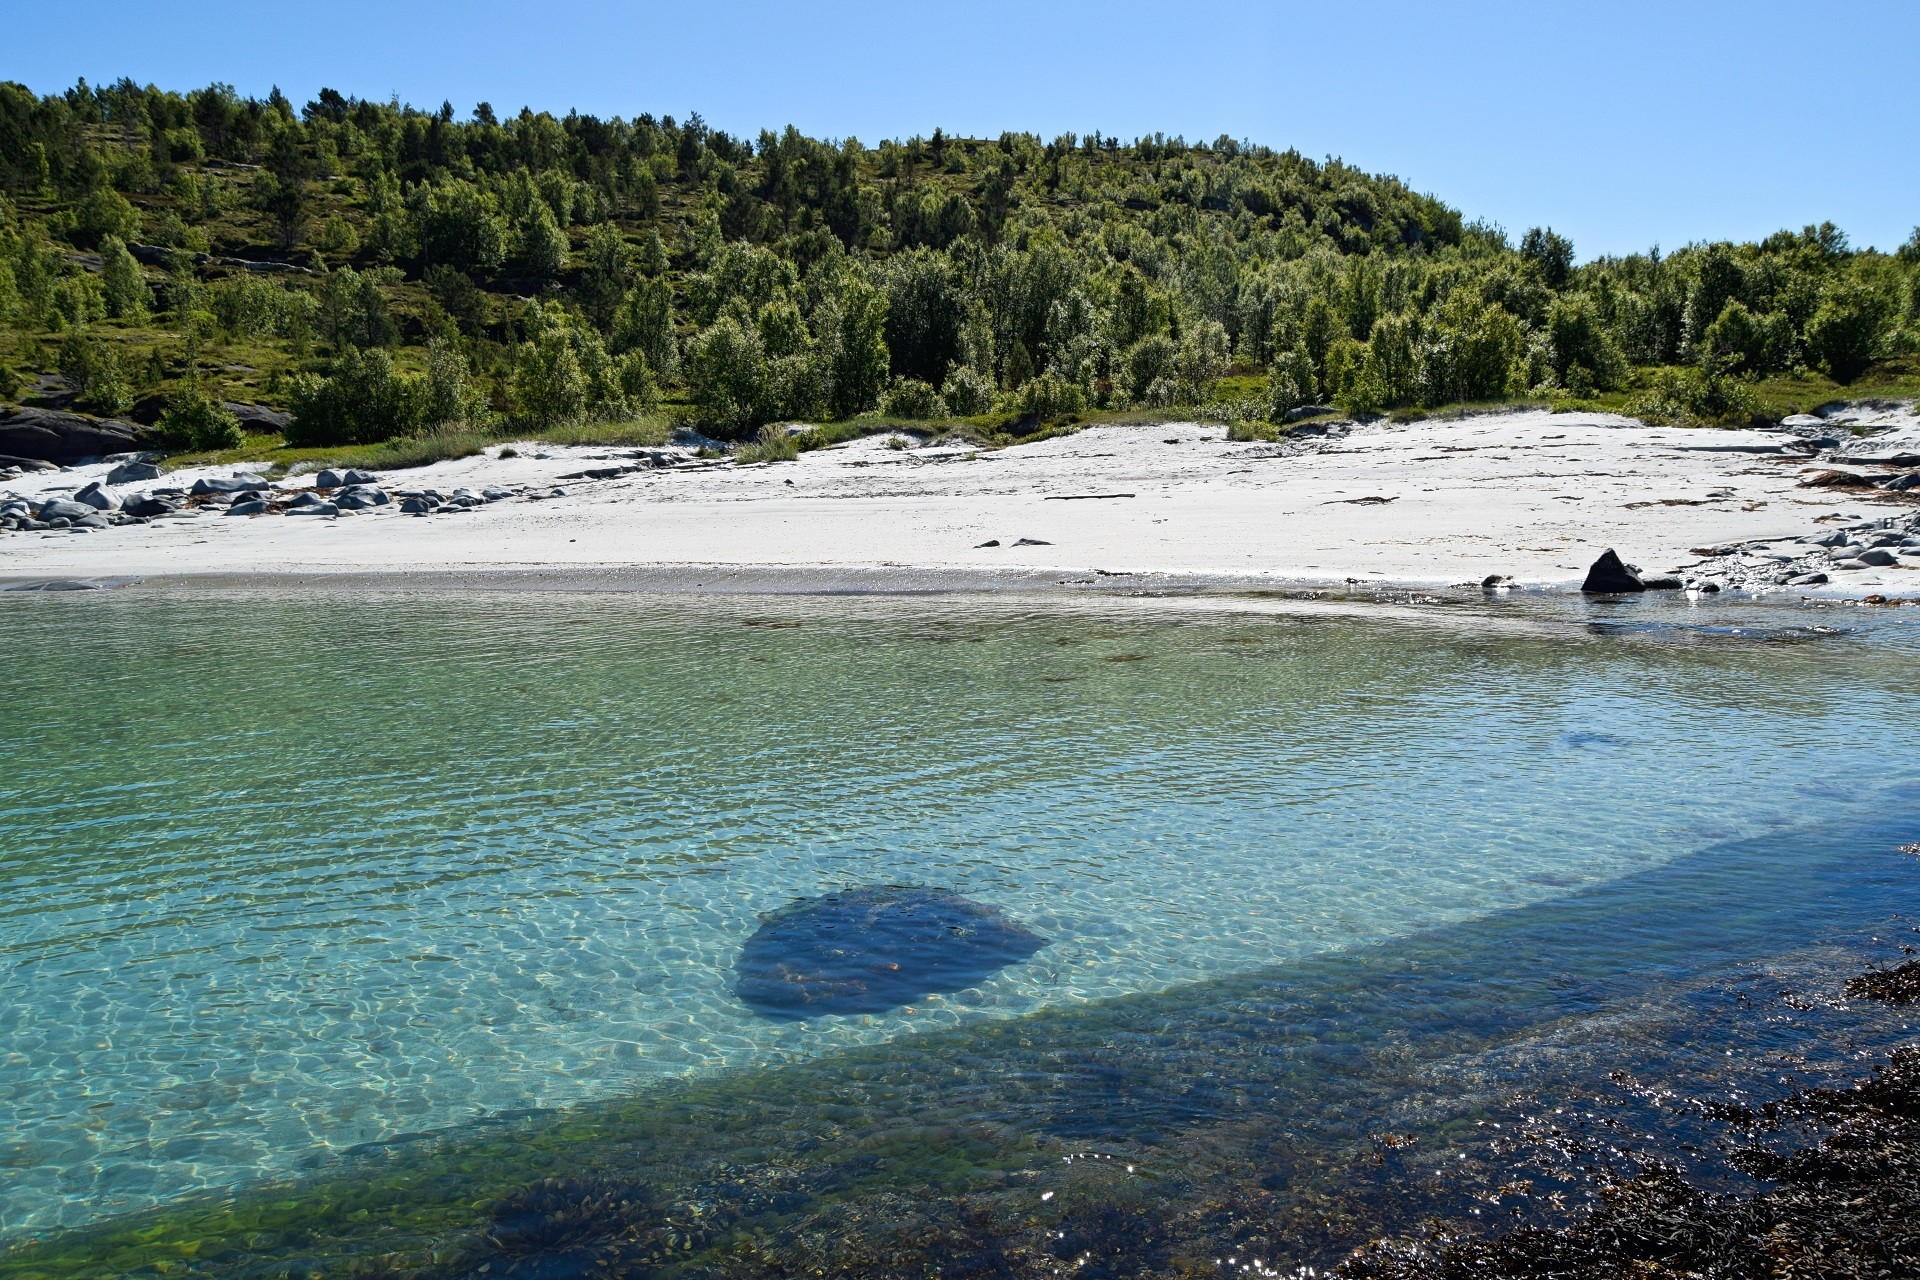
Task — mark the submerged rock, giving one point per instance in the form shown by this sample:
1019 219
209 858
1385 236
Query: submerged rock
1610 575
874 948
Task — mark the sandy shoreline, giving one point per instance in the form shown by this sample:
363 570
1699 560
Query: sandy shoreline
1172 507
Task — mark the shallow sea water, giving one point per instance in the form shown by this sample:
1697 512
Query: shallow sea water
284 876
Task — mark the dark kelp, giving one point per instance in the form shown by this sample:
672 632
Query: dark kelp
874 948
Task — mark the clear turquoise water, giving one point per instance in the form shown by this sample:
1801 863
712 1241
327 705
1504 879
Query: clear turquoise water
283 875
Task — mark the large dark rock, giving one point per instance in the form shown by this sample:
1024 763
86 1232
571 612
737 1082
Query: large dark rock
148 506
1610 575
257 417
50 435
227 484
874 948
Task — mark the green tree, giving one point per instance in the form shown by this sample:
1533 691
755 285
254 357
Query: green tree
449 395
458 226
1738 341
104 212
127 294
364 401
1845 334
354 310
1551 252
857 369
644 323
1201 361
1393 349
926 309
727 376
94 371
607 273
543 246
1583 355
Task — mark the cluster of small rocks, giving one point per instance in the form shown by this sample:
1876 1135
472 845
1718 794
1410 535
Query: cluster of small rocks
645 460
97 506
1812 560
427 502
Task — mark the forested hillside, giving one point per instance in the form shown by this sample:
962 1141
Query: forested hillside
385 271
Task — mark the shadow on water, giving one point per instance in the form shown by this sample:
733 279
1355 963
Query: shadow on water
874 948
1297 1109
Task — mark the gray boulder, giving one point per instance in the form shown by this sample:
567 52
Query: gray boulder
99 497
133 473
331 479
688 438
97 520
418 506
63 509
314 509
49 435
361 497
1610 575
1877 557
249 507
227 484
147 506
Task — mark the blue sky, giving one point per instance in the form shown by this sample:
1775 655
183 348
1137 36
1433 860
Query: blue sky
1621 124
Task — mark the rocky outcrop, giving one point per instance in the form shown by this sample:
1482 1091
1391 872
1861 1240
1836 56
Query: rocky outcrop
49 435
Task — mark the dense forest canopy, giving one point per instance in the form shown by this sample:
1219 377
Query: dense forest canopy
383 270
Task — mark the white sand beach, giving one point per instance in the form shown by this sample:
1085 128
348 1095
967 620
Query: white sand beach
1438 502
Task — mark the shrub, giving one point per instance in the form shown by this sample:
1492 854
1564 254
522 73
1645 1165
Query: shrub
966 391
1289 383
1695 397
194 422
1046 398
365 401
1738 341
912 398
1146 362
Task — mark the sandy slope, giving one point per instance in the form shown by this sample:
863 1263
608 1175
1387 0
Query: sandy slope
1529 494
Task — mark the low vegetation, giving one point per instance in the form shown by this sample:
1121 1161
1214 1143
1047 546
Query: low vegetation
385 274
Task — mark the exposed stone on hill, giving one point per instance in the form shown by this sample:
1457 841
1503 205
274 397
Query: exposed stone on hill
50 435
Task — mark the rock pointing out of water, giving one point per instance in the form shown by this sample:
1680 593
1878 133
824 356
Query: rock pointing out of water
1610 575
874 948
